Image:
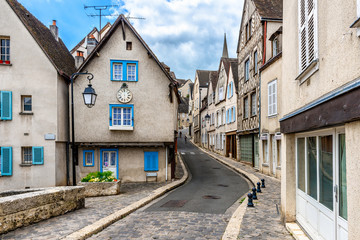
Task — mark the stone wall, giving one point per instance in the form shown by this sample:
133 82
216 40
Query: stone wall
31 206
94 189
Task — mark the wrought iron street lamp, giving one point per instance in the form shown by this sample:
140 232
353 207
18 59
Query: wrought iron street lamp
207 117
89 96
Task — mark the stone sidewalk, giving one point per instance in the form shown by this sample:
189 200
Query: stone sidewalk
262 221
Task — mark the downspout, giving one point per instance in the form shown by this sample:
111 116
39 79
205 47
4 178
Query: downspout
264 54
166 166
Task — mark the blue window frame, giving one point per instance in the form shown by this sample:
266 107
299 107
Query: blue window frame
122 115
108 153
5 105
234 114
37 155
6 161
151 161
88 158
122 70
230 90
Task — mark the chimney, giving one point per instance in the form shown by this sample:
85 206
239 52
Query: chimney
54 30
91 44
79 59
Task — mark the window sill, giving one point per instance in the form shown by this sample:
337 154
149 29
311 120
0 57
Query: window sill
25 164
125 128
5 64
273 115
115 80
26 113
308 71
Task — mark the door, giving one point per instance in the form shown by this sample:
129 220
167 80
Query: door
274 154
109 161
321 201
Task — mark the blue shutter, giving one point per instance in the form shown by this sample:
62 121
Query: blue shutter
230 118
6 105
151 161
6 161
38 155
234 114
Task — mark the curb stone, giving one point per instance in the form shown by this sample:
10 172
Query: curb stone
106 221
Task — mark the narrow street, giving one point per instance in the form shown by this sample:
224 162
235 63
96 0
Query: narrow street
198 210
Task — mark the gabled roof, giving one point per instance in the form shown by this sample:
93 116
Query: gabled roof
56 51
83 40
227 62
121 21
203 76
214 75
234 67
269 9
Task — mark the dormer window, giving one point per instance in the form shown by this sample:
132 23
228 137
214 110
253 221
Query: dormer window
275 46
4 50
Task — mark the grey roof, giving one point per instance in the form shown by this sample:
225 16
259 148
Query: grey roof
234 67
184 105
56 51
271 9
204 76
214 76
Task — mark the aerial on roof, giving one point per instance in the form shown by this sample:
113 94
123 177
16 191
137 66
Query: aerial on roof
55 50
270 9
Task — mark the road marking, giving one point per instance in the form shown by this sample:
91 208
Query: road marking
182 153
192 153
201 153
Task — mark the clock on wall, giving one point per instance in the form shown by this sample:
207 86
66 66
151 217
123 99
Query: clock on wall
124 95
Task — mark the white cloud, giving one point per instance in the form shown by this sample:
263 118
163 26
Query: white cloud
186 34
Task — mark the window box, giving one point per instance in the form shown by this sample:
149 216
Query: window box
7 62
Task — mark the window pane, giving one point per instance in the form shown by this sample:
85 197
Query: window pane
127 116
113 158
106 159
131 72
342 177
88 157
311 167
301 163
116 116
27 104
117 68
326 171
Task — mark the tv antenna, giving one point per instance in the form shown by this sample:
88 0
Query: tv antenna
100 14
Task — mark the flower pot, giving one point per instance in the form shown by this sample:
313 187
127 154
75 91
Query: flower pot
7 62
1 62
93 189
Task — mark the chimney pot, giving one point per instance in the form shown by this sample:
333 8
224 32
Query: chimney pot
54 22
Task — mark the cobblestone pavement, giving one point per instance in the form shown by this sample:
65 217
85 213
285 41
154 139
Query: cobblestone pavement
96 208
262 221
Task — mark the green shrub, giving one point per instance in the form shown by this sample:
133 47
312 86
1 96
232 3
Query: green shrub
99 177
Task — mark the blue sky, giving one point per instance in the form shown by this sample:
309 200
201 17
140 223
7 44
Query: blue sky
185 34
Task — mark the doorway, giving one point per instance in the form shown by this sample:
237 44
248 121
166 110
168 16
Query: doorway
109 161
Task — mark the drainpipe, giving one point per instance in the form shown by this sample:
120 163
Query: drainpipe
264 55
166 162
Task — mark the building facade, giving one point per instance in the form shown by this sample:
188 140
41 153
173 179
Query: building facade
270 99
134 120
257 16
33 101
320 127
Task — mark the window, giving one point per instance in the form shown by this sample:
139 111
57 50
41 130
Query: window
253 104
212 119
218 119
223 117
128 45
275 47
118 68
151 161
131 72
250 21
307 33
124 70
246 107
234 114
221 93
247 73
6 161
121 117
5 105
26 103
26 155
255 62
88 158
272 98
4 50
230 90
247 32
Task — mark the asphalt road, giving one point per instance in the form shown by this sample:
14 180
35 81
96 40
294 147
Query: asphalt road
212 187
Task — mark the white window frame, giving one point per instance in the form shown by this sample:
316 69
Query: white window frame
246 107
120 74
272 98
5 56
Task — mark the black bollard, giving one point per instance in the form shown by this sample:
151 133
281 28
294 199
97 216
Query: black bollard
250 200
263 183
258 187
254 194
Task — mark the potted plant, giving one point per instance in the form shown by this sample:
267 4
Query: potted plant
7 62
100 184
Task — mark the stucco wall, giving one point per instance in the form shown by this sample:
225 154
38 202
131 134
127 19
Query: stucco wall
131 164
31 73
339 49
155 118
